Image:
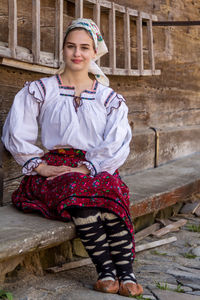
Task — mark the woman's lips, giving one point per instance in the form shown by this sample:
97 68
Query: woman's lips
76 61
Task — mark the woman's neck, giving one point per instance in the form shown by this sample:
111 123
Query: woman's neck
77 79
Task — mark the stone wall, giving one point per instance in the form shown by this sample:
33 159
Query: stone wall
169 102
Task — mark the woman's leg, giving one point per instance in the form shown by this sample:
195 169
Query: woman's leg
120 244
92 234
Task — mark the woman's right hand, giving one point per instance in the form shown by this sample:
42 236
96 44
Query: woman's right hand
52 171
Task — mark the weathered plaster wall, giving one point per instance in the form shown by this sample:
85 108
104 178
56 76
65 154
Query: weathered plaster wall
170 102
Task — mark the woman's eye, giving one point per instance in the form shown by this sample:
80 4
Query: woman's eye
85 48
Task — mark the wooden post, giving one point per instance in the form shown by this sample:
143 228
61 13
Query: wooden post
12 25
1 173
112 39
127 43
59 31
78 8
36 30
140 44
150 42
97 19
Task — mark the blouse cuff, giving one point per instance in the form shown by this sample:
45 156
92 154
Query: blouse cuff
90 167
30 165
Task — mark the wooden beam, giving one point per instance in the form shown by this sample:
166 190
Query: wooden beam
97 19
127 42
146 232
105 3
28 66
92 1
155 244
70 265
112 38
170 228
140 58
132 12
1 173
120 8
78 8
150 45
12 25
36 30
59 31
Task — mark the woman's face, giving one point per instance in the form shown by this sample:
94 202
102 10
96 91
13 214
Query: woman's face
78 50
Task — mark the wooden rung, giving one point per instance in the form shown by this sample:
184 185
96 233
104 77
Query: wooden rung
127 42
140 58
59 31
36 30
150 45
12 25
112 38
78 8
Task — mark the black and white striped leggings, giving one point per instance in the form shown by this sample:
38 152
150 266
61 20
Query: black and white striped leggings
107 242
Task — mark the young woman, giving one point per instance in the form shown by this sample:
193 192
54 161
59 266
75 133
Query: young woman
85 128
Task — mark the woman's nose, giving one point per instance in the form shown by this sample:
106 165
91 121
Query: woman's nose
77 52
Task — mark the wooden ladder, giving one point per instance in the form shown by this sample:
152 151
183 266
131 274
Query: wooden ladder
46 59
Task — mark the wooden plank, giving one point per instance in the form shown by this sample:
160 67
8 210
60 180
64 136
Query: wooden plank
120 8
150 45
12 25
147 231
105 3
112 38
78 8
145 16
197 212
132 12
190 208
170 228
27 66
36 30
140 59
164 222
92 1
127 42
155 244
97 19
70 265
5 52
59 31
1 173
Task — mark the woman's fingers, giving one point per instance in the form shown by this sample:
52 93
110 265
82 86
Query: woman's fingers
59 174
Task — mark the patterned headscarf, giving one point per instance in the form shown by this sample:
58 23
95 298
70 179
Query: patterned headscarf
99 43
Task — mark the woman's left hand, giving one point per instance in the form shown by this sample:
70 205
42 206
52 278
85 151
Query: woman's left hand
81 169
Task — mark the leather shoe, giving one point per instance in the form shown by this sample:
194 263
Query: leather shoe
130 289
107 286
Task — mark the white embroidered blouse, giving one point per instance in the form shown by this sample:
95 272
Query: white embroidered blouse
99 125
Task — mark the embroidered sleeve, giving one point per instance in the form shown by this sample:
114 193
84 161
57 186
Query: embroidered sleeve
90 167
114 150
31 164
20 130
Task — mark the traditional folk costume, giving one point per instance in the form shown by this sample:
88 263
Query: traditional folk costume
94 132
